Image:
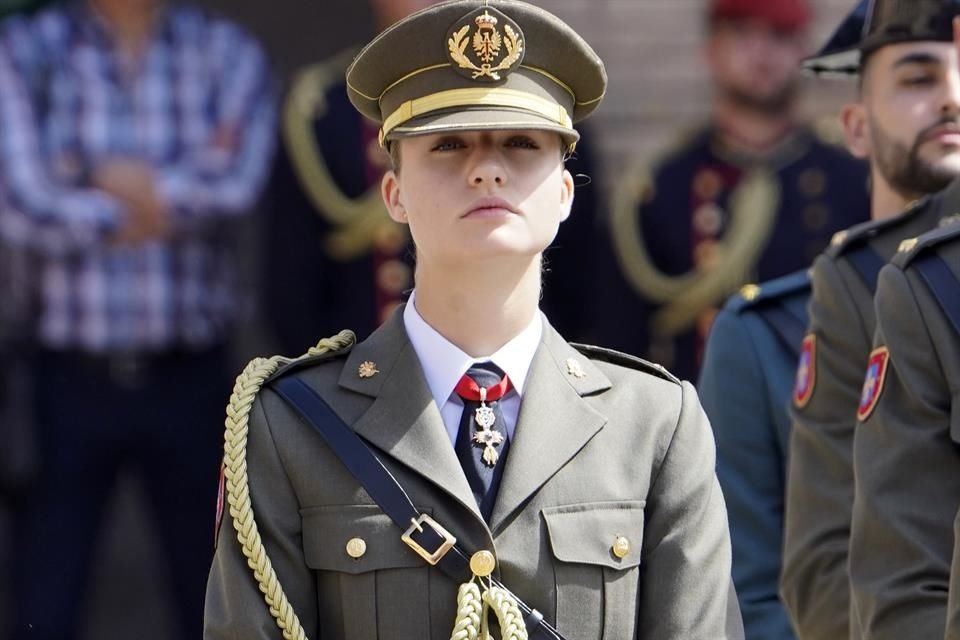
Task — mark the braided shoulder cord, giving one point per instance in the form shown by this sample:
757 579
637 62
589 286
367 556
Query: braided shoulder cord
505 607
237 480
469 613
474 607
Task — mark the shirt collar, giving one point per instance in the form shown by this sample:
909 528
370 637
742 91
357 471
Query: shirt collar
444 363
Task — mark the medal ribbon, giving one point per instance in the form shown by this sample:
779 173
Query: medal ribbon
468 389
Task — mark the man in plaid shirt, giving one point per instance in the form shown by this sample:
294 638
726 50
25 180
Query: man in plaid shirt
133 137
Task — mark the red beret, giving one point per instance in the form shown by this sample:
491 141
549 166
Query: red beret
791 15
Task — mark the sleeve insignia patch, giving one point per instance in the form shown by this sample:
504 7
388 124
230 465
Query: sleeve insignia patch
873 383
806 372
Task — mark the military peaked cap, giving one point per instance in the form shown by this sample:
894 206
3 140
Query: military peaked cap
877 23
477 64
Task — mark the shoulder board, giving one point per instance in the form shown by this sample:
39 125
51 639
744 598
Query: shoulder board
844 241
625 360
307 361
753 295
912 247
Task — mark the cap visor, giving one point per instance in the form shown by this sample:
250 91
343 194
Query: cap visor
834 63
478 119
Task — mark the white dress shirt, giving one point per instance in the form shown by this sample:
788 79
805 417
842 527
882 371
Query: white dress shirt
443 365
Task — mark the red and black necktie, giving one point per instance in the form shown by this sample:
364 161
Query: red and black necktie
482 441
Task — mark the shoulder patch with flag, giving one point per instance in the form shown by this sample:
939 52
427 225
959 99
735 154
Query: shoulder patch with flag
806 372
873 382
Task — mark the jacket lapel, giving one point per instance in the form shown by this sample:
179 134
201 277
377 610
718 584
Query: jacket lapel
555 422
404 420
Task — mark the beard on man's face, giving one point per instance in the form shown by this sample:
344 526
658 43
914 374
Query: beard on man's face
773 103
909 174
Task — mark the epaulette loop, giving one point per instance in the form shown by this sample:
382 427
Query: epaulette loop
625 360
753 295
910 248
848 239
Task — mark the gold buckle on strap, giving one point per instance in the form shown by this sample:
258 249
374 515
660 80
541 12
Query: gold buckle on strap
432 557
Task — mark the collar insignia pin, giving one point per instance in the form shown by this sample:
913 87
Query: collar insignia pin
368 369
574 368
907 245
951 219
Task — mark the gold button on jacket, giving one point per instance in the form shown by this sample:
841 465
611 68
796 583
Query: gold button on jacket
621 547
356 547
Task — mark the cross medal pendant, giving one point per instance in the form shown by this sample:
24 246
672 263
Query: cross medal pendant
486 437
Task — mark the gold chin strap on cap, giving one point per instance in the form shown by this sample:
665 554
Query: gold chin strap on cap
476 97
237 481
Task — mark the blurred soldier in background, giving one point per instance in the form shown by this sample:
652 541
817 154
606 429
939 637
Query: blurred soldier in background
745 386
906 121
752 195
135 134
351 263
349 260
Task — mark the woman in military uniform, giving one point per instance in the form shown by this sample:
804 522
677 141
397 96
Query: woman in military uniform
580 479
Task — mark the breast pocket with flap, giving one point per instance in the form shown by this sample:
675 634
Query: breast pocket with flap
368 580
597 548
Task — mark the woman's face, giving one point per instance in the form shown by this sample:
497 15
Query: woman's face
474 195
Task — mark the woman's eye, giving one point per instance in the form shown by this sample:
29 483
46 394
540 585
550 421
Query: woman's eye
447 145
522 143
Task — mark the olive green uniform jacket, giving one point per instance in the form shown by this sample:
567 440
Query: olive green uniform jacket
907 452
814 583
622 450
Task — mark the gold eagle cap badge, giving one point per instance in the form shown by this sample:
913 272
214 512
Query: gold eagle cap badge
485 45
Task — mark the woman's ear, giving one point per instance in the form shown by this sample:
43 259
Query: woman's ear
392 197
566 195
856 129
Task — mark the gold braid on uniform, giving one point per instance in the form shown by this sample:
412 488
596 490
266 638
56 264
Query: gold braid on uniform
237 480
356 221
473 609
753 207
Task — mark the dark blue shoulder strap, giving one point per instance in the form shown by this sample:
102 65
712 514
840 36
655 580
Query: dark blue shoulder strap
380 484
943 284
867 263
788 328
